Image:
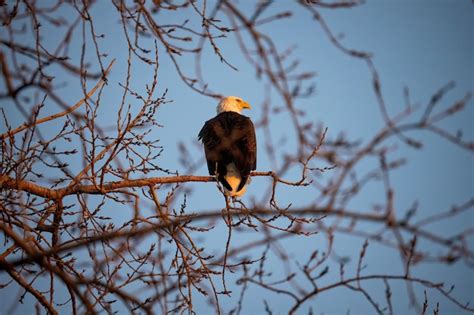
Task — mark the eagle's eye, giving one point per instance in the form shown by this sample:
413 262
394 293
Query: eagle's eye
239 100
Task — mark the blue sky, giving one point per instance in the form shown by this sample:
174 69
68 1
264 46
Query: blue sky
421 45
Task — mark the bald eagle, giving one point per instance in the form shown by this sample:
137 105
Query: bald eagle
230 146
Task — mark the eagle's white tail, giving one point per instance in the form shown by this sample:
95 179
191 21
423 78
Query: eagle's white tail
233 178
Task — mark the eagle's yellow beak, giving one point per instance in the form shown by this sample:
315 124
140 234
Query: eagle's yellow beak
246 105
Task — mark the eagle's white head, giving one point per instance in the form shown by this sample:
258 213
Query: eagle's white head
232 104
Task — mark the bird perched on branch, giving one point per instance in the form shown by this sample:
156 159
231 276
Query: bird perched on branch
230 145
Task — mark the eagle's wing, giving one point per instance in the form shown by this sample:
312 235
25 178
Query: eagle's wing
244 148
210 135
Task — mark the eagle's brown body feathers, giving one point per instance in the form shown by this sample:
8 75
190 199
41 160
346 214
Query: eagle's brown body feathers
230 138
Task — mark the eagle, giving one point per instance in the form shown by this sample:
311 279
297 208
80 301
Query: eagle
230 145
